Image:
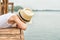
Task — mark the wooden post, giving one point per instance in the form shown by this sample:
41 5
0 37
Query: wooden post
5 5
12 8
0 7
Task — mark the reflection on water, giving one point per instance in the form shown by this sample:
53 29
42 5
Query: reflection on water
45 26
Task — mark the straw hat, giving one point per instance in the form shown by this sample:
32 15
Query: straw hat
26 14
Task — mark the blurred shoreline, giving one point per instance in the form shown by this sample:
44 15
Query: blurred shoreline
16 8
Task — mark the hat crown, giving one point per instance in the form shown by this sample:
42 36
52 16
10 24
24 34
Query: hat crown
28 12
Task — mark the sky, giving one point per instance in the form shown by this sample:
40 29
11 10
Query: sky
38 4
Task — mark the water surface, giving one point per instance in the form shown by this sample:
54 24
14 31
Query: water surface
45 26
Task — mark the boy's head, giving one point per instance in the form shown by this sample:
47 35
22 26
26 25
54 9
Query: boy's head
25 14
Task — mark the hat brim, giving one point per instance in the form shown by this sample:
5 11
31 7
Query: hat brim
29 22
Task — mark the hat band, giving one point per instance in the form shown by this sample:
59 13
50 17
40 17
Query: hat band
23 18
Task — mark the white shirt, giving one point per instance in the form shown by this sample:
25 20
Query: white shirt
4 20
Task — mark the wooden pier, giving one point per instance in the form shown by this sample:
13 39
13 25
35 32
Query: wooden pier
9 33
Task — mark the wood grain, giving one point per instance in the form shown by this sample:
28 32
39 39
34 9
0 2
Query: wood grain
10 31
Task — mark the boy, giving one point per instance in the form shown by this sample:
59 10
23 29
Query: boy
21 18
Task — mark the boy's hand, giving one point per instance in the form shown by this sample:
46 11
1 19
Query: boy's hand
14 25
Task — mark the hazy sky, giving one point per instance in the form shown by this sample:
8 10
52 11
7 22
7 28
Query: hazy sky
38 4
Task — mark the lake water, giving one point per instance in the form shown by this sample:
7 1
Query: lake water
45 26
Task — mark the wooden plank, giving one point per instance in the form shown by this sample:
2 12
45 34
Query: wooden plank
10 31
10 37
